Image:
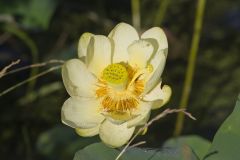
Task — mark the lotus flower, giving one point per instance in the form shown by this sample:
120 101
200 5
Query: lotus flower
115 83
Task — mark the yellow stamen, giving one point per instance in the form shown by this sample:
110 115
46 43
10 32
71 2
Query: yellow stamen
120 89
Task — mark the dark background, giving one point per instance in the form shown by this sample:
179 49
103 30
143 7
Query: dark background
40 30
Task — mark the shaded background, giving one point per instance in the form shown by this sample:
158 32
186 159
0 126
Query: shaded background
40 30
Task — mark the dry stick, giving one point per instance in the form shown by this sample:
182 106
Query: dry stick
4 70
30 79
159 116
32 66
137 144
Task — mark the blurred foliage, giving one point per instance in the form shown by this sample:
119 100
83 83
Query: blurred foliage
197 144
55 27
100 151
226 142
53 146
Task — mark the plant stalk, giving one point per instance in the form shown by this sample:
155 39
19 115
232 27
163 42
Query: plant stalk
191 65
161 12
136 17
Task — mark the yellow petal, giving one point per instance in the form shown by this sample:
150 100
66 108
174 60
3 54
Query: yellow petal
158 63
98 54
81 113
157 34
139 53
87 132
83 44
118 118
115 135
159 96
122 35
77 80
142 115
155 94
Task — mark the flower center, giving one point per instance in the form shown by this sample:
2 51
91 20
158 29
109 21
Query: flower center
120 88
116 75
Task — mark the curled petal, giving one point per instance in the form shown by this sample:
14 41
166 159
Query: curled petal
81 113
98 54
158 63
118 118
159 96
122 36
83 44
142 115
115 135
139 53
157 34
77 80
87 132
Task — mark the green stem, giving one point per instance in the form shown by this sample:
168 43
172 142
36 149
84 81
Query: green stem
31 45
191 65
161 12
136 20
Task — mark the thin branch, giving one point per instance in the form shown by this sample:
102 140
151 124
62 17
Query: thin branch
137 144
30 79
32 66
4 70
159 116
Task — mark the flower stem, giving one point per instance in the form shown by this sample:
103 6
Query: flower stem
161 12
191 65
136 20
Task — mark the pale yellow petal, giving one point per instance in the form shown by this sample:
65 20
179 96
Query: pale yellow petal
77 80
87 132
115 135
159 96
139 53
118 118
98 54
158 63
155 94
142 114
157 34
81 113
83 44
122 36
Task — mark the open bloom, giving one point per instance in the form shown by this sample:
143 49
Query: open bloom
115 83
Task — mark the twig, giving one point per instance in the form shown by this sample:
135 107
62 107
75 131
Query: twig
4 70
32 66
137 144
23 36
159 116
30 79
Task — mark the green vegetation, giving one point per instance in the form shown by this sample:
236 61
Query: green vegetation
36 31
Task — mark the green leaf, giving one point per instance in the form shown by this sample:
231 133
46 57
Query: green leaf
198 144
100 151
34 14
38 13
61 142
226 142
